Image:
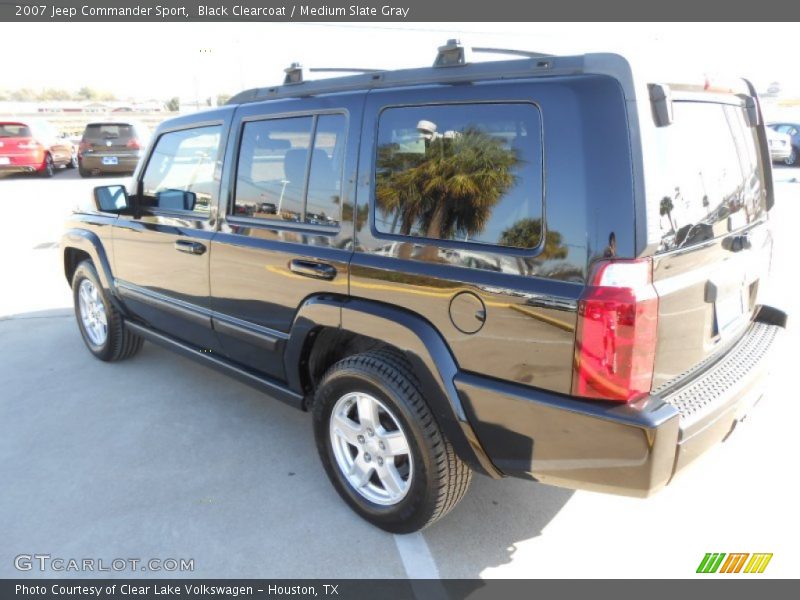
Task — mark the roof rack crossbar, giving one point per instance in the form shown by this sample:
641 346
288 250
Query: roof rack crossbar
511 52
343 70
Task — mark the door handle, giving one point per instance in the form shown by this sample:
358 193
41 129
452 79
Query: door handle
310 268
189 247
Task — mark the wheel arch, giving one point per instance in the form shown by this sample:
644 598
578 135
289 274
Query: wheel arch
347 326
78 245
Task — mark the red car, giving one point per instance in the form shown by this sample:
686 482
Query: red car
34 147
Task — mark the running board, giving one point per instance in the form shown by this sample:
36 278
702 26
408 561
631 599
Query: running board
268 386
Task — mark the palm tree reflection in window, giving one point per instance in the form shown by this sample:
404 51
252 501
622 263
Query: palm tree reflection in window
448 192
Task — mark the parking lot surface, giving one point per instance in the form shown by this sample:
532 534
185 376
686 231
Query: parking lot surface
157 457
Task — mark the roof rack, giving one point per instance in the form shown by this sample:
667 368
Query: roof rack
452 54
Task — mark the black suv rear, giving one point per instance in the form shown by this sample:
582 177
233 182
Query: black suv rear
540 267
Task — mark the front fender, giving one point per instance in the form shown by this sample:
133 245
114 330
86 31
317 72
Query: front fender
422 345
90 243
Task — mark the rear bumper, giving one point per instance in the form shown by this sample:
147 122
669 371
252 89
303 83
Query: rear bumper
23 162
125 164
632 450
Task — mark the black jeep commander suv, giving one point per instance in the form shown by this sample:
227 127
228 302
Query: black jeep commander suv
540 267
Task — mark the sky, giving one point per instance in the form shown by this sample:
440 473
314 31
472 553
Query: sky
198 60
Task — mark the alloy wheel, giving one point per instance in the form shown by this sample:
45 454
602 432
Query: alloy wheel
371 448
93 313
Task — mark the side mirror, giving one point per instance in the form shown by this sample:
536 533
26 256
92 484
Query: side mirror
111 198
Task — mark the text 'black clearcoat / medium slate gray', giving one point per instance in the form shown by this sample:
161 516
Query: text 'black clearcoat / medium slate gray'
542 267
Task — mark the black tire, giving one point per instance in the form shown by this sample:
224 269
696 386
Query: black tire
793 159
440 478
49 168
73 162
120 343
84 172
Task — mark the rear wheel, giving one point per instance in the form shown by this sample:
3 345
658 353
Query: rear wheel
381 447
49 168
73 162
84 172
791 160
101 325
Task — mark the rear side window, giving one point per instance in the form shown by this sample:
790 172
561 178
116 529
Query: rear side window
108 131
709 174
180 173
290 169
12 130
461 172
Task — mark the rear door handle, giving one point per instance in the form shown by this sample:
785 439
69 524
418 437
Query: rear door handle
310 268
190 247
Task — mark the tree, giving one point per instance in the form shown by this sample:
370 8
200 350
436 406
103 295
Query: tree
87 93
50 94
222 99
174 104
23 95
449 191
666 209
526 233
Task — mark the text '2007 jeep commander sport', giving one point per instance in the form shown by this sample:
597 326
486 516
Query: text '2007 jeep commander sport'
539 267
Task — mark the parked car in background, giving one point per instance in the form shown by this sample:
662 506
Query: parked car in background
780 145
111 147
793 131
34 146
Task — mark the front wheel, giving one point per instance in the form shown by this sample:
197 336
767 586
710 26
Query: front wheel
100 323
381 447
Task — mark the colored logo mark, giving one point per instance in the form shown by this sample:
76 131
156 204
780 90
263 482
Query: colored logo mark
719 562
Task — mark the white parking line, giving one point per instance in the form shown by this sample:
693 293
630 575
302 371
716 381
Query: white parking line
416 556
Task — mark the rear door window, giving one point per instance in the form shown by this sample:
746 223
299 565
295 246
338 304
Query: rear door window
461 172
710 179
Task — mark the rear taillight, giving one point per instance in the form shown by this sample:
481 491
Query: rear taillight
615 343
84 146
133 144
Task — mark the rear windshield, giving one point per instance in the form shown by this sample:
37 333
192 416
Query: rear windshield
9 130
108 131
709 176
